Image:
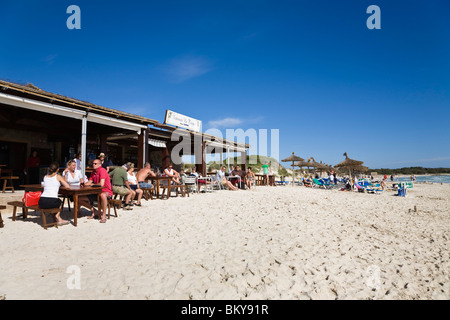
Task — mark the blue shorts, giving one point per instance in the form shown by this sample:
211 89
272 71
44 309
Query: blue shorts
145 185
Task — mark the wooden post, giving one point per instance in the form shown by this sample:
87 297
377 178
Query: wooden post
200 158
244 160
165 158
146 151
203 159
141 149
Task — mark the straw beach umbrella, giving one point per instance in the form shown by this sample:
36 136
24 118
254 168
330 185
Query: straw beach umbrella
318 166
293 158
301 164
349 163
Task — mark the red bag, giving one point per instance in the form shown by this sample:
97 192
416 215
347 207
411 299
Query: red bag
31 198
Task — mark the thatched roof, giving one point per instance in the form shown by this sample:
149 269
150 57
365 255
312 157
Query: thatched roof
313 163
293 157
360 168
301 164
348 162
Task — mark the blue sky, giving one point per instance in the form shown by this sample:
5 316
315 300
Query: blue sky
312 70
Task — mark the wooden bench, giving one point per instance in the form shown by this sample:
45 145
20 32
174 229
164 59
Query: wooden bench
5 181
20 204
148 193
114 203
1 220
53 212
178 187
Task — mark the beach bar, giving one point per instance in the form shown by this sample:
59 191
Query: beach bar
58 127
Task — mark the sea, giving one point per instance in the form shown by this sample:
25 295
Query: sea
432 178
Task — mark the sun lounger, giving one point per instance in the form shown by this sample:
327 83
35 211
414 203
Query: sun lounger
319 183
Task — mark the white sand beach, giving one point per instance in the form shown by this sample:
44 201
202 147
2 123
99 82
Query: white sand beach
267 243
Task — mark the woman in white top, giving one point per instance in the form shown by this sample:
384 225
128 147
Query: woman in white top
134 185
74 178
49 197
72 175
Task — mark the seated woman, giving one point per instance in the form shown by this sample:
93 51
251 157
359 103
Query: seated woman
134 185
49 197
223 180
306 182
194 173
249 178
74 178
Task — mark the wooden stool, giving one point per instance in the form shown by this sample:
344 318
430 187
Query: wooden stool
5 180
177 187
1 220
53 212
148 193
19 204
113 203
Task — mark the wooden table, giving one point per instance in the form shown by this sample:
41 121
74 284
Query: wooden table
261 177
158 179
73 191
1 220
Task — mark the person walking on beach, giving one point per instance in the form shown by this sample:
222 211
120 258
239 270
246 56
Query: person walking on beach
383 184
49 197
265 169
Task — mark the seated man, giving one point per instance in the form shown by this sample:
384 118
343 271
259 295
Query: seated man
170 172
101 177
121 186
220 177
143 174
241 174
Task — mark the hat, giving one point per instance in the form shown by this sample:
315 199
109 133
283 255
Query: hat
126 167
101 155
